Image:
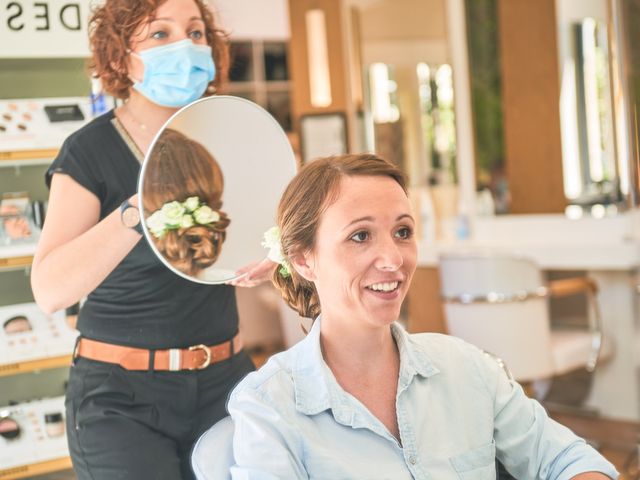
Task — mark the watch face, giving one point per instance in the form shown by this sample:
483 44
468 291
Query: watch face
131 217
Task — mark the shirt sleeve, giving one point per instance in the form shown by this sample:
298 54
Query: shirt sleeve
75 161
266 446
529 443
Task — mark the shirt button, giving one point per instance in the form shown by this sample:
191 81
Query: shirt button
412 460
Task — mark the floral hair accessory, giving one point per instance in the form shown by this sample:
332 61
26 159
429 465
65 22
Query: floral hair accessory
175 215
271 240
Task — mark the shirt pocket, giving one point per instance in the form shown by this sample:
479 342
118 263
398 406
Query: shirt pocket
476 464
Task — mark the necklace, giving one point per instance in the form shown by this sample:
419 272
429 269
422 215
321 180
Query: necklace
138 123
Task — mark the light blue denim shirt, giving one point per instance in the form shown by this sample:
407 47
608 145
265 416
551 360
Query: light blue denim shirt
457 411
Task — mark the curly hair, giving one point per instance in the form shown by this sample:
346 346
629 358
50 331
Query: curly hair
111 29
306 197
179 168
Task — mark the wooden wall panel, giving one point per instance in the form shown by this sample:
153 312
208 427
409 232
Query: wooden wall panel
298 63
426 313
531 98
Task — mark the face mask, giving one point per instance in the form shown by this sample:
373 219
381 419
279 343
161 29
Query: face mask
176 74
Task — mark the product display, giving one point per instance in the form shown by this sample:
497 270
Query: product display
30 334
32 432
40 123
15 213
54 424
9 428
31 131
17 324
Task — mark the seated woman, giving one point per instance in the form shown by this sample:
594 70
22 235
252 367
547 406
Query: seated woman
361 398
182 197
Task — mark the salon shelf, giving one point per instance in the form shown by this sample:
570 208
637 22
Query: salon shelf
18 255
14 263
25 158
34 365
39 468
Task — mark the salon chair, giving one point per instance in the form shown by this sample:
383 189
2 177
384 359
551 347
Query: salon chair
500 303
212 455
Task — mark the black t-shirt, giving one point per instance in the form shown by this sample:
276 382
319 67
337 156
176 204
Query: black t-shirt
141 303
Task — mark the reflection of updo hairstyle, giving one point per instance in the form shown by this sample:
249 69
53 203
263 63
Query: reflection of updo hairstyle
180 168
311 191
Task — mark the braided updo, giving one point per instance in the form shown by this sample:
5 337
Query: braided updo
179 168
306 197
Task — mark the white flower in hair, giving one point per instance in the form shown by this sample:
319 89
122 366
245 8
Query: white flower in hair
156 223
204 215
271 240
176 215
173 212
191 204
187 221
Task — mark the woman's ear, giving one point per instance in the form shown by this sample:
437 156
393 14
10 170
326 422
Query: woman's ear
303 264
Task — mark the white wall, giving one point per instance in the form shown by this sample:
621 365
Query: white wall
404 32
264 19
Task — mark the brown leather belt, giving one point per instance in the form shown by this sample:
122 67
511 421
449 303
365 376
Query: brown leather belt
195 357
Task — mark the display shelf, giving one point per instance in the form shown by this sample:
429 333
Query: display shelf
14 263
17 255
27 157
32 340
39 468
39 443
34 365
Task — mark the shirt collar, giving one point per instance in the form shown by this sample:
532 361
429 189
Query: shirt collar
316 389
413 359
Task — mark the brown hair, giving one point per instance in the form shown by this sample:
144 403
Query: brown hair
180 168
111 28
310 192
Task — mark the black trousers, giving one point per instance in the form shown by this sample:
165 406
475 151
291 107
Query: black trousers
125 424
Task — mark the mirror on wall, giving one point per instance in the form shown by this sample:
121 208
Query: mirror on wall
593 152
592 180
408 87
210 185
577 85
408 101
626 36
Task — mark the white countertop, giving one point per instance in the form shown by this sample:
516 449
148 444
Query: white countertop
553 241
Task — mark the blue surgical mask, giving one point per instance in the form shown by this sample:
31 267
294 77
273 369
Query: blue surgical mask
176 74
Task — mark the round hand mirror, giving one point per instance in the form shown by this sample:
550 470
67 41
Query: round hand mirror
210 185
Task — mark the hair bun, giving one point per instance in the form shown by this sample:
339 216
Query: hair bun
195 248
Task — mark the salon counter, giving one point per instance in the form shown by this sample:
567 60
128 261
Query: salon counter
608 249
553 241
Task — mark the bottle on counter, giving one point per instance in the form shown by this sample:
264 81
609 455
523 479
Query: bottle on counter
462 225
98 100
427 216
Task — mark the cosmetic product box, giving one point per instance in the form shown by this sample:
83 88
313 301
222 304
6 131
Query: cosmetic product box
50 336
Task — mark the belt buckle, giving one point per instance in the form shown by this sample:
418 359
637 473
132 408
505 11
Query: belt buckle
207 352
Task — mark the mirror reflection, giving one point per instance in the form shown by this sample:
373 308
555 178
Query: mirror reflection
516 99
591 176
183 189
408 87
207 194
408 102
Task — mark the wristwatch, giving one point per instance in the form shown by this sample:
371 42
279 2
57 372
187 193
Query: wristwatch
130 216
